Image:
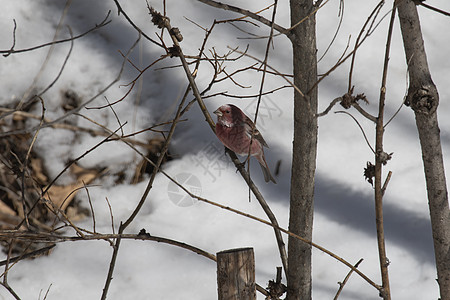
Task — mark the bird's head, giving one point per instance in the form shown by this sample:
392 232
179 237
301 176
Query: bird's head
228 114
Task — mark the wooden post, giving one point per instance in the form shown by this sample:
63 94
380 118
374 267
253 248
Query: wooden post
236 274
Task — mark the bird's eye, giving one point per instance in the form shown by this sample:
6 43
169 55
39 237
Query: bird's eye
227 111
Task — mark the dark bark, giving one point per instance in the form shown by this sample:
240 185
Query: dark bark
424 99
236 274
303 38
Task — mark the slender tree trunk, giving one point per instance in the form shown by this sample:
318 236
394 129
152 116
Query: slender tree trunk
424 99
303 38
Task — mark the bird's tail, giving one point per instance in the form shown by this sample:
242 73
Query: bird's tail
266 171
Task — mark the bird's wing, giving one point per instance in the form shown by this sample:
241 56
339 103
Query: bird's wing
251 130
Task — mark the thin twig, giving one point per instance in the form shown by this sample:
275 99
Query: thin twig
342 284
327 110
91 206
34 253
14 38
13 51
445 13
46 60
264 64
132 83
62 67
263 203
111 215
383 260
81 106
396 113
342 60
138 207
257 12
360 127
297 89
308 16
10 290
406 93
121 11
24 165
364 113
341 18
46 293
374 14
44 192
245 13
225 94
386 182
90 131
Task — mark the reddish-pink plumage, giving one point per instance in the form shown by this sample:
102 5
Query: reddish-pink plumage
238 133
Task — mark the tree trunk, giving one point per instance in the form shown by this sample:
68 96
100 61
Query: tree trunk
303 38
424 99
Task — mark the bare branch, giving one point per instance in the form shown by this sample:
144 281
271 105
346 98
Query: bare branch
81 106
341 18
386 182
347 101
10 290
342 284
248 13
360 127
364 113
71 39
62 67
121 11
379 162
90 206
143 235
421 2
327 110
14 37
360 39
263 203
357 45
31 254
274 70
59 175
130 219
226 94
317 7
111 215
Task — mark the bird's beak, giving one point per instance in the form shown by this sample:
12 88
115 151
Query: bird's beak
218 113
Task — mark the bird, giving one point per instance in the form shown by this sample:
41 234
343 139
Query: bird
238 133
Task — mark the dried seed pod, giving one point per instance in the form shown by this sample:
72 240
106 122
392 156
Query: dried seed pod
159 20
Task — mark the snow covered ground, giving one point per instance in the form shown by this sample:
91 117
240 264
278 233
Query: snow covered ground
344 211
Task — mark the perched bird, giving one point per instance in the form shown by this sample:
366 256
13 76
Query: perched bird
239 134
